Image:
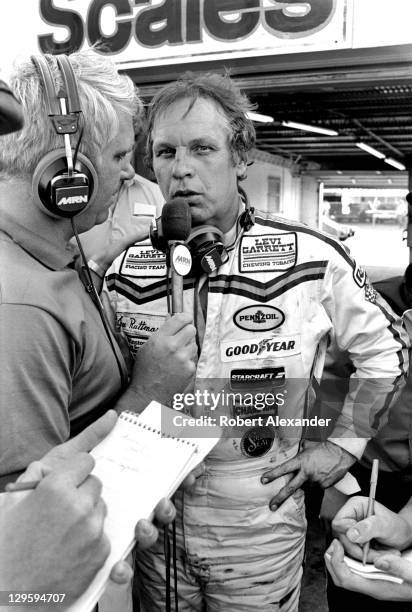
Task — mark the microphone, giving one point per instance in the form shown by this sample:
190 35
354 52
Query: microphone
176 224
176 220
11 116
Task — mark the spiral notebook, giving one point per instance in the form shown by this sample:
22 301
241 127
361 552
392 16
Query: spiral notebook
139 464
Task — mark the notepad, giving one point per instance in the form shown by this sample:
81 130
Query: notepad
139 464
371 572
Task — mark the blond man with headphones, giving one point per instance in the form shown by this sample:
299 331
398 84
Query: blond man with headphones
60 365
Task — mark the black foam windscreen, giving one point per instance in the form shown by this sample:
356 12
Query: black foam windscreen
176 220
11 116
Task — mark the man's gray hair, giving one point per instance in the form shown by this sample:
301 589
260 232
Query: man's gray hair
102 91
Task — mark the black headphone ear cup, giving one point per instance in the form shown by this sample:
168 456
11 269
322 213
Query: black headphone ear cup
53 165
207 249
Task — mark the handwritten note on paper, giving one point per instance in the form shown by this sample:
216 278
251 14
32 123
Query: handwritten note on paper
137 467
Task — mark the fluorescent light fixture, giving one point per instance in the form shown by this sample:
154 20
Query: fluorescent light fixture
260 118
394 163
370 150
310 128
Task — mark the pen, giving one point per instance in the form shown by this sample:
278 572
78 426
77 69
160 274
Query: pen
12 487
371 502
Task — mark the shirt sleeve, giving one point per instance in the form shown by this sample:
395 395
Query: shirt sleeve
36 371
377 344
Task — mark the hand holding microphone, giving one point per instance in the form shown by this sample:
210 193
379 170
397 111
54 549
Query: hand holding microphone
166 364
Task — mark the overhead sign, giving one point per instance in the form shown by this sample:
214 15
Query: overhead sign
144 32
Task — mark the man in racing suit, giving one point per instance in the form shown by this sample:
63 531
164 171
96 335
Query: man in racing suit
283 290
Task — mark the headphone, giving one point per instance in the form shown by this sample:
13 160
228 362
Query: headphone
205 243
63 183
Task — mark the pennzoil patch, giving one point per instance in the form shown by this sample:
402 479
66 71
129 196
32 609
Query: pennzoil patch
258 317
143 260
268 252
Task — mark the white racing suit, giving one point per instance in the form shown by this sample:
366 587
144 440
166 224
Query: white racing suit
283 291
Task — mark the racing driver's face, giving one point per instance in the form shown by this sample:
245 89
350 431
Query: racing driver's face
192 159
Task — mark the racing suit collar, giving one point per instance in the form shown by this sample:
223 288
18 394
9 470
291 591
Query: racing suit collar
230 236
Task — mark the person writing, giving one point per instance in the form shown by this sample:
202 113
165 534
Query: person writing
389 532
52 540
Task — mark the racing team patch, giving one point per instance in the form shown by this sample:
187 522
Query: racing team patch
268 252
260 348
143 260
260 378
138 327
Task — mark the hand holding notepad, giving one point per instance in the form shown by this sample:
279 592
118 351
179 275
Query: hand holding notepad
138 467
373 573
393 585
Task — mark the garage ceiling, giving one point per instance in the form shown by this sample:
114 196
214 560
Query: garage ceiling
378 115
363 94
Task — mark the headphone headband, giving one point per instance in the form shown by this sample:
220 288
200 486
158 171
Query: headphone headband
70 83
45 73
63 122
